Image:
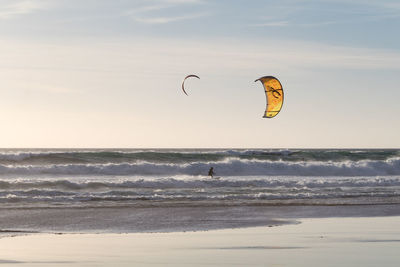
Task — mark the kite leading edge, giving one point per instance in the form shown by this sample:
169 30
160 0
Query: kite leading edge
183 83
274 93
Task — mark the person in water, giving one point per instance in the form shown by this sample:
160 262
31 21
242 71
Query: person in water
211 172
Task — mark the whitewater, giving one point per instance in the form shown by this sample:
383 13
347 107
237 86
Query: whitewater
171 183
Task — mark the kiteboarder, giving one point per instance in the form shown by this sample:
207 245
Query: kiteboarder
211 172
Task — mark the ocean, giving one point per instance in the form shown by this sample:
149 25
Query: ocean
128 190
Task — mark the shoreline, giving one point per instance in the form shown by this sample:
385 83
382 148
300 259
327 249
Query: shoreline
172 219
361 241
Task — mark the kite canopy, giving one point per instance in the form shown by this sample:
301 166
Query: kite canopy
274 93
183 83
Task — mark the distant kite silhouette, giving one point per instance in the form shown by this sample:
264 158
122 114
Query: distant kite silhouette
183 83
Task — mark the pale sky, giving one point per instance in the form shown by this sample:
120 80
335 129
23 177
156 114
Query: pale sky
97 73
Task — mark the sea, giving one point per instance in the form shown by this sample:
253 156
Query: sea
161 190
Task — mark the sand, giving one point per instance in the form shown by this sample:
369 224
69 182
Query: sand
371 241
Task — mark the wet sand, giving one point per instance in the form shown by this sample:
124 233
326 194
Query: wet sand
368 241
131 219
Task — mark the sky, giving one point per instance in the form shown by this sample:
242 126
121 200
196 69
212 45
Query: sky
108 74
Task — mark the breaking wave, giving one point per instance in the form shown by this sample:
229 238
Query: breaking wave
188 156
200 182
228 167
243 189
73 177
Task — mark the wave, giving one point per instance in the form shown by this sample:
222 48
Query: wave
43 157
326 197
123 196
228 167
201 183
162 190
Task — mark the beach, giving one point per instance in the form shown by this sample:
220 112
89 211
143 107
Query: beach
368 241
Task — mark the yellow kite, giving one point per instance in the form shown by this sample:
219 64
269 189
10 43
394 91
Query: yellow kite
274 93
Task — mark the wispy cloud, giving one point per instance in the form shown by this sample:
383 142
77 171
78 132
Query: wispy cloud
144 9
360 19
165 56
358 11
146 14
163 20
17 8
327 22
272 24
183 1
